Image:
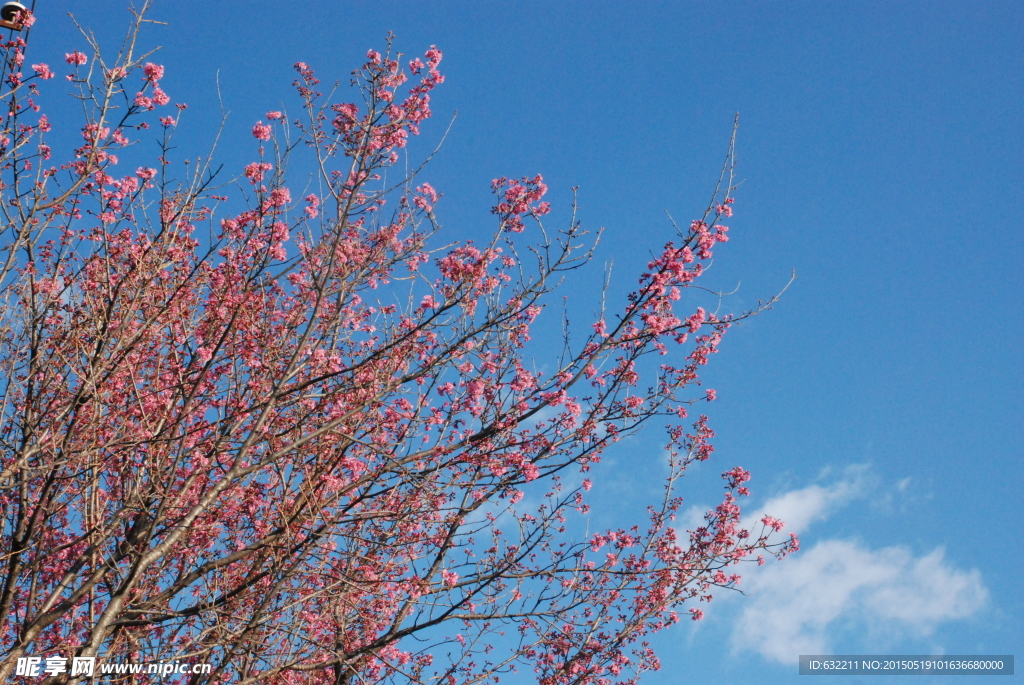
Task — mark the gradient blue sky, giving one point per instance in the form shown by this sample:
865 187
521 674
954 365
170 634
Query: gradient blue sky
878 405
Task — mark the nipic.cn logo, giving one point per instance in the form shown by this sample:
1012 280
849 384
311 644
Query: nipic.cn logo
34 666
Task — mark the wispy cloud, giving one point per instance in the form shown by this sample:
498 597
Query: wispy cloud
806 603
799 605
806 506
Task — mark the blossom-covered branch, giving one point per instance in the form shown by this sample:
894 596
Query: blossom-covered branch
310 447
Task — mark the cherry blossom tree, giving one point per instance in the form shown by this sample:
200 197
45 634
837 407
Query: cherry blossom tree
292 435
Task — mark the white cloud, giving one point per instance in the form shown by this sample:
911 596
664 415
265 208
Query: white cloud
800 603
836 588
801 508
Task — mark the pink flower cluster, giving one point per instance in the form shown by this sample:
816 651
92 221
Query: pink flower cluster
153 72
706 237
450 578
359 132
76 58
313 207
516 201
261 131
736 478
255 171
695 321
157 97
426 197
43 71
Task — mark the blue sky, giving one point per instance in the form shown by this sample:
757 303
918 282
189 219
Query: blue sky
879 405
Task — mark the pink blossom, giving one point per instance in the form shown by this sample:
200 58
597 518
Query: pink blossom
449 577
129 184
530 471
76 58
279 197
275 115
696 614
314 202
43 71
426 198
261 131
168 121
712 395
145 174
254 172
695 321
92 132
279 232
737 476
154 72
160 97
